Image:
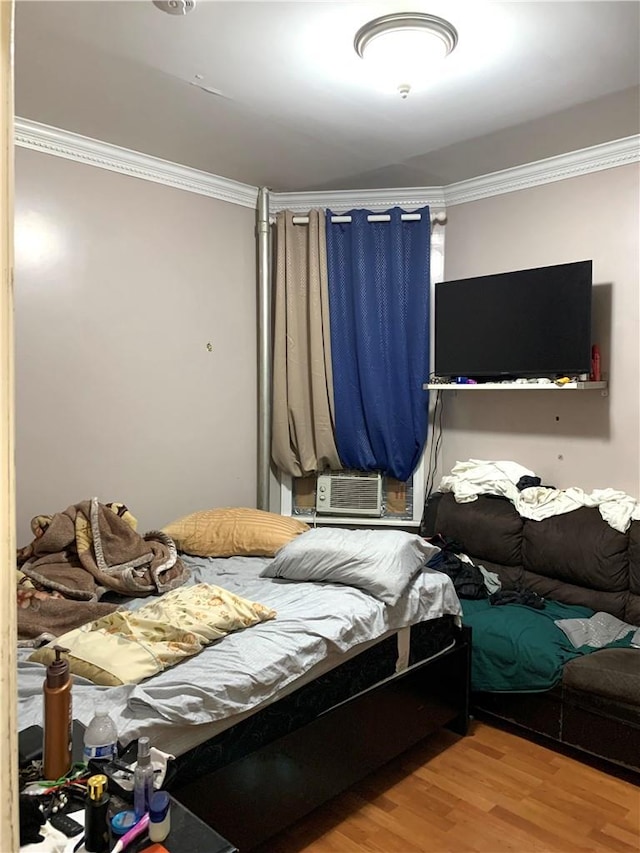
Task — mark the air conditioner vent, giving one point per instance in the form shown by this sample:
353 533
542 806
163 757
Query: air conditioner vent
344 494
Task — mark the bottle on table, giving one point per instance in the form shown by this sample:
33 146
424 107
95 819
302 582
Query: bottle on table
159 816
100 738
57 718
96 827
142 779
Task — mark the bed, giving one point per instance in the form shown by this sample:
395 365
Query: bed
285 714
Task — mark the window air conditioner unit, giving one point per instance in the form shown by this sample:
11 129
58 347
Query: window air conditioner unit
349 494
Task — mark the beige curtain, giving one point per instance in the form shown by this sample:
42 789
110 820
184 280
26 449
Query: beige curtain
303 415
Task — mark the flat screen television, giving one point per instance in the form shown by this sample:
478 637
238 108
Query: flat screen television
526 323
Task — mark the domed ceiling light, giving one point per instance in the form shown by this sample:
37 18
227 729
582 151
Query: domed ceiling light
404 47
175 7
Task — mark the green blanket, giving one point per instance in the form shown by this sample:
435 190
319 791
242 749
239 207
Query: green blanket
519 649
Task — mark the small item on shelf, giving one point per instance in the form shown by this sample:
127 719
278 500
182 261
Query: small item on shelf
96 827
595 363
57 740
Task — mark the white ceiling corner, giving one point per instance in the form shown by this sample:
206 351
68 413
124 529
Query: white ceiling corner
298 110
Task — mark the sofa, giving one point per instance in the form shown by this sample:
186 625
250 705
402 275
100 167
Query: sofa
578 559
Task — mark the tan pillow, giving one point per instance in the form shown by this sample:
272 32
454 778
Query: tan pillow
233 531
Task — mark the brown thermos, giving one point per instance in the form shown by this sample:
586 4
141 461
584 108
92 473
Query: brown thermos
57 746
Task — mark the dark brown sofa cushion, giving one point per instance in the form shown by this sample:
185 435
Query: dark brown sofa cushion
577 558
613 673
632 611
569 593
488 527
578 547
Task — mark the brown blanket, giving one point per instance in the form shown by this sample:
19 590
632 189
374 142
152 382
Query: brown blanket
43 616
81 553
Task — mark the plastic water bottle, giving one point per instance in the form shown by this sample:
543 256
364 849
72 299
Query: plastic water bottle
100 738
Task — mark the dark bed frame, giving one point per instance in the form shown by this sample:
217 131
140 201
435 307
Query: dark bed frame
259 794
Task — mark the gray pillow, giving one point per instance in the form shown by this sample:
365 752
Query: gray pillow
381 562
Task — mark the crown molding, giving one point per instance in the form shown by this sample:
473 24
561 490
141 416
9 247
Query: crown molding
607 155
104 155
338 200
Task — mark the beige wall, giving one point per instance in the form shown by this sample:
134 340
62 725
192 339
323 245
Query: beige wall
120 285
568 438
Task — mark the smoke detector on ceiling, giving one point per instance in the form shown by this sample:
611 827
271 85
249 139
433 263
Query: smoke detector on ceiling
175 7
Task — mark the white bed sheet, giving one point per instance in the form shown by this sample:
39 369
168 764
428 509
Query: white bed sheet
316 626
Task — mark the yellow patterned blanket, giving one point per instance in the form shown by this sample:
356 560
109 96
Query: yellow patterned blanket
127 646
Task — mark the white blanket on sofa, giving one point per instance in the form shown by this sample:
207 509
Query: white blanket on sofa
480 477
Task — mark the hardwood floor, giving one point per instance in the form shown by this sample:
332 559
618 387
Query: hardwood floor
491 791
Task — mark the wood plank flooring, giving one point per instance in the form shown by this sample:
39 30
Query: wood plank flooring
492 792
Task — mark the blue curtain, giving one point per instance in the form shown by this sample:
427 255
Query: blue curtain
379 285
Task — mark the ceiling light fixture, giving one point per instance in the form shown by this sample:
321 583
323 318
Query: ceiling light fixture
175 7
405 46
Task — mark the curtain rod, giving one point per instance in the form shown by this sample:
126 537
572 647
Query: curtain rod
439 218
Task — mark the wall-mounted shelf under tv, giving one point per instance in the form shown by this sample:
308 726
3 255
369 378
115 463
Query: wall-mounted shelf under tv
516 386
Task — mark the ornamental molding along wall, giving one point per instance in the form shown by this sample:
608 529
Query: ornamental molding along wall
104 155
92 152
340 200
620 152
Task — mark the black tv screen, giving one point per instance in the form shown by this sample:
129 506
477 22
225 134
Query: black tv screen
528 323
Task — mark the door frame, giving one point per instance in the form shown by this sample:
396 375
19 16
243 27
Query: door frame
9 834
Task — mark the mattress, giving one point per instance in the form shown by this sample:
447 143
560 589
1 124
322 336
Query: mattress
357 672
318 628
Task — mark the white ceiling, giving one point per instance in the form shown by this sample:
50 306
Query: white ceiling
527 80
